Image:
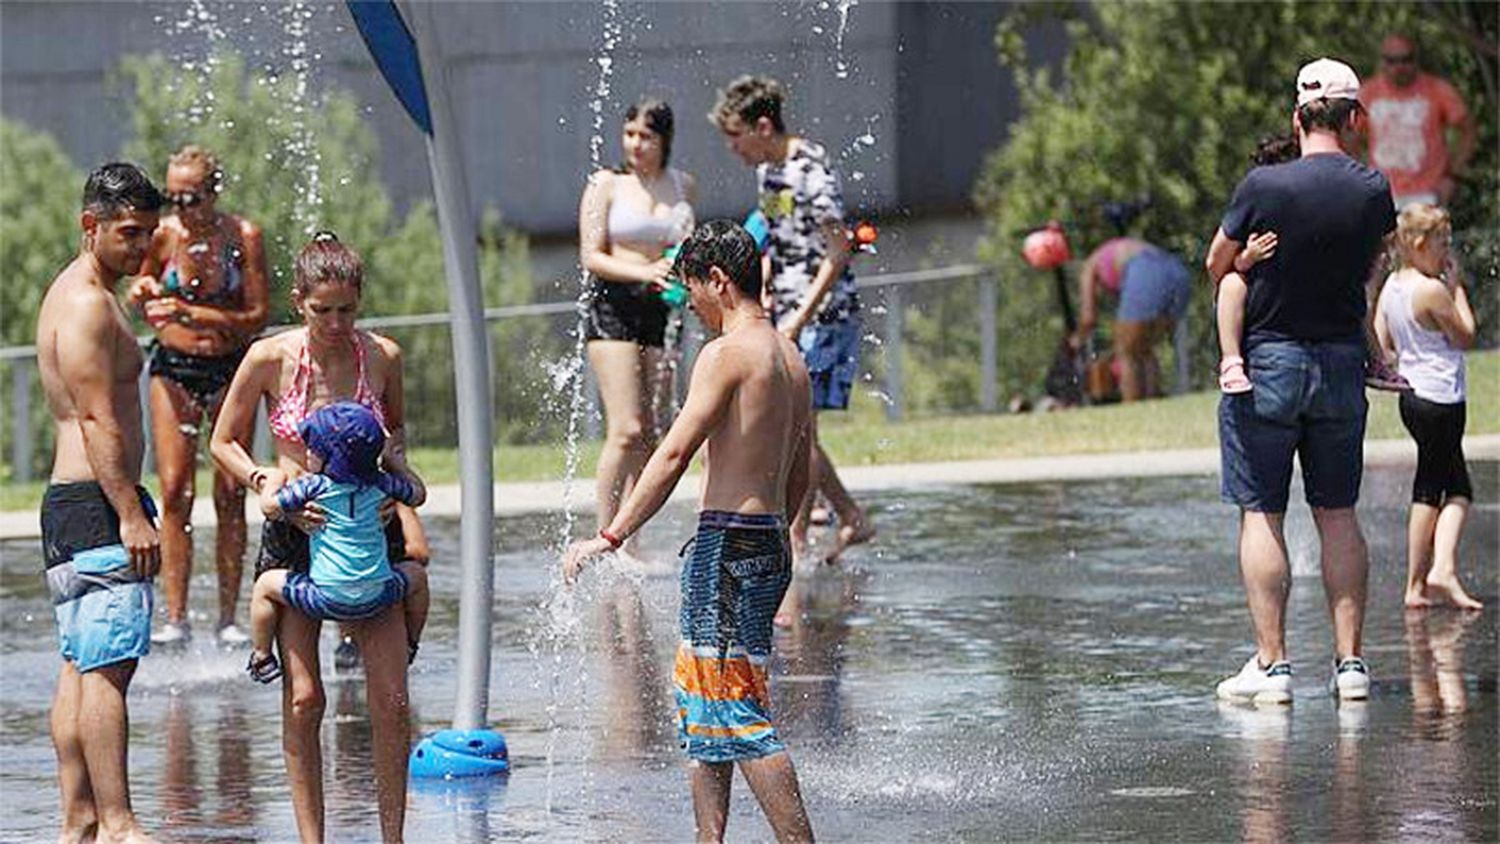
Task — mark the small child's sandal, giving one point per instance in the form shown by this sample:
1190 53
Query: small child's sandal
1232 378
263 668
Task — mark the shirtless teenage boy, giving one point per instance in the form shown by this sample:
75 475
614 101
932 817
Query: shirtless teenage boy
98 537
750 399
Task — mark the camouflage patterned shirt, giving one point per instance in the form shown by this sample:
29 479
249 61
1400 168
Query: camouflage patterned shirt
799 196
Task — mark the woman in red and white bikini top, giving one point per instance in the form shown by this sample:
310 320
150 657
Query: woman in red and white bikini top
299 371
294 406
327 360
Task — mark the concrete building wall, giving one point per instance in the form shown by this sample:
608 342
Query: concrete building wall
922 79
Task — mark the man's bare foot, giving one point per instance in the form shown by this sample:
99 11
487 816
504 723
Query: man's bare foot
1451 592
84 833
134 834
855 532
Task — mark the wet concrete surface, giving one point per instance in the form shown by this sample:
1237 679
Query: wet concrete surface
1023 661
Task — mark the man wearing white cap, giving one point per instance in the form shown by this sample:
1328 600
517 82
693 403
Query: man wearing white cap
1305 345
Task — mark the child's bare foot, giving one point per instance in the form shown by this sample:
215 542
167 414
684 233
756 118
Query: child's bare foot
856 532
1451 592
799 547
785 612
819 516
1416 600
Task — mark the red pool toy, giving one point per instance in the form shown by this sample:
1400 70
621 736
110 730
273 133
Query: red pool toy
1047 248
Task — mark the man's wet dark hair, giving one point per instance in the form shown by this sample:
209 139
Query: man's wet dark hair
119 186
724 244
1327 115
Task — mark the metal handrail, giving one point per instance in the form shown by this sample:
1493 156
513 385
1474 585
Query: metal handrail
952 273
891 321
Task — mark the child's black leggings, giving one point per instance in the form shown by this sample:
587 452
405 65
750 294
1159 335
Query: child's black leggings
1439 432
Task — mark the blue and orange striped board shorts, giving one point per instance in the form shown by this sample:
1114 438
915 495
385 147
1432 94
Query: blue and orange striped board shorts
732 584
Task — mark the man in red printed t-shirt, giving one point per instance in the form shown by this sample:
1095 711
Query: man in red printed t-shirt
1410 114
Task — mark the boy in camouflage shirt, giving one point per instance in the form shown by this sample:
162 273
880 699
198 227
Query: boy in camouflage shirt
810 287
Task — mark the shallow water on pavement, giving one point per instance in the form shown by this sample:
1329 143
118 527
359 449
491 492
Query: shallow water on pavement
1028 661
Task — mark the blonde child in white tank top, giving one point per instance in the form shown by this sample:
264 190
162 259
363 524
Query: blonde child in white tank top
1427 322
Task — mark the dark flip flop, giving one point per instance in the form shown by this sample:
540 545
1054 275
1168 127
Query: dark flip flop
263 670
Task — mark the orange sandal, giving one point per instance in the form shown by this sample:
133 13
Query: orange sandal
1232 378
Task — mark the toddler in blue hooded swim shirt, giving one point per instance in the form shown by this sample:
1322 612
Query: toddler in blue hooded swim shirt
350 576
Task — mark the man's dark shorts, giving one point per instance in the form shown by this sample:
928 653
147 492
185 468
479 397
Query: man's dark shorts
1308 400
103 608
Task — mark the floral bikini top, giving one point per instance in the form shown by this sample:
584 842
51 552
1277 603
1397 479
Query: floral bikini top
291 409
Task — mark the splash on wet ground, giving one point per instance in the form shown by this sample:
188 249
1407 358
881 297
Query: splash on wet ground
1030 661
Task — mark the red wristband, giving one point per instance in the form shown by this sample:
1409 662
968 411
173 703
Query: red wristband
614 541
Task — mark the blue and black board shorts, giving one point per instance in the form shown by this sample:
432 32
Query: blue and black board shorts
831 351
103 608
732 585
314 601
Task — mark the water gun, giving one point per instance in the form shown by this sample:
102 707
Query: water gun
861 238
675 294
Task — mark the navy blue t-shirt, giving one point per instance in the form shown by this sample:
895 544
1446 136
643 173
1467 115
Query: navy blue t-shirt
1330 214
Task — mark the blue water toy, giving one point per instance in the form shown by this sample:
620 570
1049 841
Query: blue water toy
759 227
675 294
450 754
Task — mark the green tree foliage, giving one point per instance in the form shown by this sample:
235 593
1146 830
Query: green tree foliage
1167 100
291 179
40 192
311 166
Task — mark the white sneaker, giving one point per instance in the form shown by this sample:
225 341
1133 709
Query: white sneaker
231 636
171 634
1259 685
1350 680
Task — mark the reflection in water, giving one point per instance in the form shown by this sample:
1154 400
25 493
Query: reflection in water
1351 821
464 805
1435 650
234 774
1263 733
636 710
350 778
181 790
1020 653
1442 757
808 660
180 795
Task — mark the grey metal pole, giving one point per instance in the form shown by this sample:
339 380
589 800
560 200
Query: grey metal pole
989 399
1180 353
148 455
20 412
895 320
261 447
471 365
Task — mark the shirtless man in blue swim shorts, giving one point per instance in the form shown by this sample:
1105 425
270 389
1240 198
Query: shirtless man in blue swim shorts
98 536
750 401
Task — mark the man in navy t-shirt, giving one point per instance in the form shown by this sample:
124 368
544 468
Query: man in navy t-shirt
1305 352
